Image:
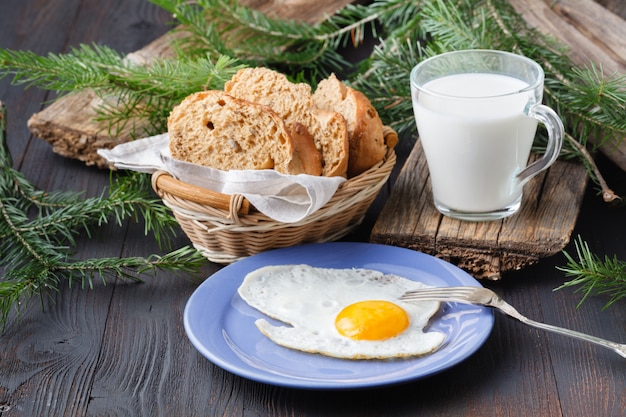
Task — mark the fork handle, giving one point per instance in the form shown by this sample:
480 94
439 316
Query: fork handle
510 311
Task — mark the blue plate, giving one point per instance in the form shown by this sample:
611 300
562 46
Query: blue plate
221 325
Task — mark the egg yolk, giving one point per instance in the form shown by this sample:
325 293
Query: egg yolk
371 320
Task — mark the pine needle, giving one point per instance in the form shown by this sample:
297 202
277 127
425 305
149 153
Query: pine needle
595 276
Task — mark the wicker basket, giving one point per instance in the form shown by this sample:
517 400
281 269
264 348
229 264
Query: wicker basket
226 228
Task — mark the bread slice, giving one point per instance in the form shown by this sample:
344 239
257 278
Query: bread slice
305 149
214 129
293 102
365 128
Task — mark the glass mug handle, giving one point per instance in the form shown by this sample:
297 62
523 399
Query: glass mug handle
556 133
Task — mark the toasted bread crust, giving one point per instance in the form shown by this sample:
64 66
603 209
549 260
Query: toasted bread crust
214 129
293 102
365 128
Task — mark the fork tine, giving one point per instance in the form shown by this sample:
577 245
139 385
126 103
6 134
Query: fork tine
425 297
442 291
438 293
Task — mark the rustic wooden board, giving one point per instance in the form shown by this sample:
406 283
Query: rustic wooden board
541 228
69 124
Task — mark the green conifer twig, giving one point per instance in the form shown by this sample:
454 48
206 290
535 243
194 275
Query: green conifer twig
36 251
592 275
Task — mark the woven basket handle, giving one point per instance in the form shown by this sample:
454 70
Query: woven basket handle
391 137
162 181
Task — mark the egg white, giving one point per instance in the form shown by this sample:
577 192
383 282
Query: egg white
308 299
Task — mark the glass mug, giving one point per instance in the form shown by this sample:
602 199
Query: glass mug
476 113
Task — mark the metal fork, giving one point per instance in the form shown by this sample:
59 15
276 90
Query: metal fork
486 297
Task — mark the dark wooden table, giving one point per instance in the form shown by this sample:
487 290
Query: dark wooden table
120 349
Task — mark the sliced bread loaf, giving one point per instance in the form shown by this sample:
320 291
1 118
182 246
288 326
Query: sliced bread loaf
293 102
214 129
365 129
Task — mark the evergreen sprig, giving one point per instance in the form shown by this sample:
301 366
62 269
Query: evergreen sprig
593 275
225 27
598 101
38 232
222 35
129 91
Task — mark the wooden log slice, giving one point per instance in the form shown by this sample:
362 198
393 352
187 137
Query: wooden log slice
541 228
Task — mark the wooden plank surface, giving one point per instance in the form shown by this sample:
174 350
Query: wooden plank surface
541 228
590 30
121 349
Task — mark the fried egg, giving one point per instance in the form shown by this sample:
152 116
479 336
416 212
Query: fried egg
342 313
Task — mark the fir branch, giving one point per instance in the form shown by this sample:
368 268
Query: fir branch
36 251
42 275
229 28
608 195
223 27
384 82
458 26
599 101
81 68
149 93
590 103
595 276
102 68
62 215
183 260
128 90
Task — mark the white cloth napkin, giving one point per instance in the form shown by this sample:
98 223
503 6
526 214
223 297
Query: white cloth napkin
284 198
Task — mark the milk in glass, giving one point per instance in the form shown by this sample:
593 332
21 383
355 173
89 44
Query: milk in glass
476 139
